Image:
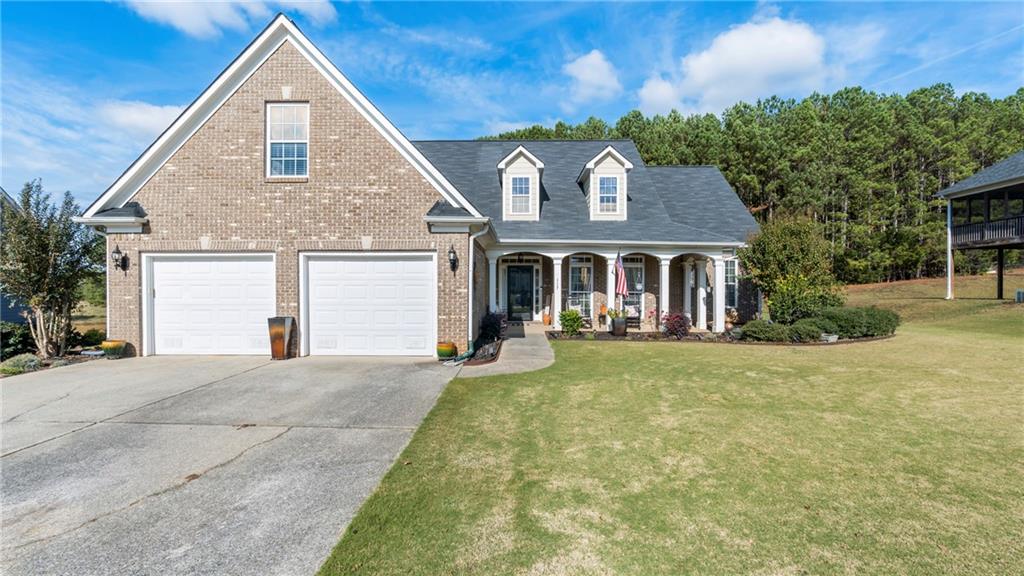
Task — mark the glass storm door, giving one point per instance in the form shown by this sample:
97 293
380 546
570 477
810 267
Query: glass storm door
520 292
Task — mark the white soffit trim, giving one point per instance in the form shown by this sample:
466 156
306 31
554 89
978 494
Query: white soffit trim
984 188
521 150
280 30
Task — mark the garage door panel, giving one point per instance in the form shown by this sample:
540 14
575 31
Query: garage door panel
371 305
212 304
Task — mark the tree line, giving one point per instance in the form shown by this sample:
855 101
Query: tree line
864 166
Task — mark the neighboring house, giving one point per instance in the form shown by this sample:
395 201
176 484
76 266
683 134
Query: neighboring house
283 191
984 212
10 309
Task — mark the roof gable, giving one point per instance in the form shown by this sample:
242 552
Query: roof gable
1005 172
278 32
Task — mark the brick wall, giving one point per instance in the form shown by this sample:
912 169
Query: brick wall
212 195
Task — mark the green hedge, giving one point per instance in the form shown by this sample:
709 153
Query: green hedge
861 322
806 330
765 331
571 322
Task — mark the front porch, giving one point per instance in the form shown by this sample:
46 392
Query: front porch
537 285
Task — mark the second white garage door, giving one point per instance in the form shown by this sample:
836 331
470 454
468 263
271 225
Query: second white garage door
371 305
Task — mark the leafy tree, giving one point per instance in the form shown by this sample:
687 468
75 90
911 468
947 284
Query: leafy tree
44 258
789 262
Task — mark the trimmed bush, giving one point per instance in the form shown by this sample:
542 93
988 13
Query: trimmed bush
858 322
824 324
20 364
765 331
16 339
805 330
571 322
92 337
676 325
796 297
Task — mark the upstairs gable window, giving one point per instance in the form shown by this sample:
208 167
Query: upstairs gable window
608 195
288 140
520 194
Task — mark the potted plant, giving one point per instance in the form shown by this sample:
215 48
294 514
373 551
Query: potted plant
446 350
731 317
113 349
618 322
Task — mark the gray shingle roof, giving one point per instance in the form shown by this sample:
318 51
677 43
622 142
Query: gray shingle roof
443 208
677 204
129 210
1009 169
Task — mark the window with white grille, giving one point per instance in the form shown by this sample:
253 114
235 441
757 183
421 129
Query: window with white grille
288 140
520 194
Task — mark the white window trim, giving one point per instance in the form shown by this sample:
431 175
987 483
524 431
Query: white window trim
581 262
512 196
641 263
268 141
735 282
617 194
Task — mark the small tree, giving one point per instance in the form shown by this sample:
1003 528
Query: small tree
44 257
789 262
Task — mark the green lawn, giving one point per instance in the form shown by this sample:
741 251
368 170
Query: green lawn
903 456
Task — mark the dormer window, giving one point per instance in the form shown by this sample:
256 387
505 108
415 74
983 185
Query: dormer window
520 195
604 182
520 175
608 195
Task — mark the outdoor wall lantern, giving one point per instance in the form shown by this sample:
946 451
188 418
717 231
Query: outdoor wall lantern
453 258
119 260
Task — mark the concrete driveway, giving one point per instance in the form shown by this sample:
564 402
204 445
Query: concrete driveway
189 465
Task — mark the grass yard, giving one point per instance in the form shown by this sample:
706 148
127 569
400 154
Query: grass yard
903 456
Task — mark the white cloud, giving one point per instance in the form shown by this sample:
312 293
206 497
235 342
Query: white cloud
759 58
54 130
208 19
594 79
139 119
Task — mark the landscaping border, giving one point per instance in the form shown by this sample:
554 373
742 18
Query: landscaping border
556 335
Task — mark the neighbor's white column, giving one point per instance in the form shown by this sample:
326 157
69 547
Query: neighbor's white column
492 284
556 296
719 324
663 287
687 283
701 321
949 249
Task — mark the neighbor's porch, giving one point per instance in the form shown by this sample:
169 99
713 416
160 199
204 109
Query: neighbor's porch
536 286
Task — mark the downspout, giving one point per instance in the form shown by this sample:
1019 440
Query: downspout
470 350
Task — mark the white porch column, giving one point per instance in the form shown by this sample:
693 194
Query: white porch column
949 249
701 321
663 287
610 282
492 283
687 283
556 296
719 323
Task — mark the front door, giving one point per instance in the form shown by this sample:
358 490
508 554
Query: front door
520 293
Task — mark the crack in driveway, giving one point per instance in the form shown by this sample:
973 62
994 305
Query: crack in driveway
187 480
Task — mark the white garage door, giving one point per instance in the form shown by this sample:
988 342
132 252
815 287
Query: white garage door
373 305
212 304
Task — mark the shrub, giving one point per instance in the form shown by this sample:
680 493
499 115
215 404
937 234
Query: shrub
676 325
805 330
765 331
797 297
786 248
571 322
857 322
15 339
19 364
92 337
490 326
824 324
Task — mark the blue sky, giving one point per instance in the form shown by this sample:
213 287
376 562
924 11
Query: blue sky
87 86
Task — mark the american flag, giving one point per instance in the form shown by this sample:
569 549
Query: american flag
620 277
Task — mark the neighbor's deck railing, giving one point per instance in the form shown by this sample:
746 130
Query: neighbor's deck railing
992 232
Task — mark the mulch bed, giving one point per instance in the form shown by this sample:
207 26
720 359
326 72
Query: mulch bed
602 336
485 354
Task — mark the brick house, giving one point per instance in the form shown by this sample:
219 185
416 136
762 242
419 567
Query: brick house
282 190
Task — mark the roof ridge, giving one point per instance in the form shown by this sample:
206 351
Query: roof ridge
527 140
